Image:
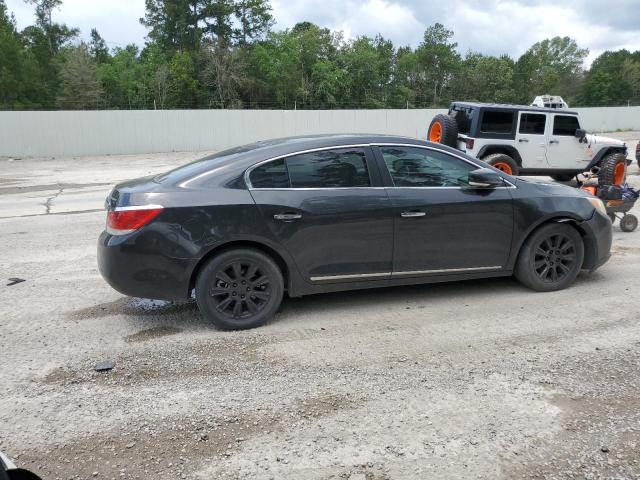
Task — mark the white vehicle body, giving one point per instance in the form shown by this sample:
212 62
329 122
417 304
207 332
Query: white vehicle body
540 140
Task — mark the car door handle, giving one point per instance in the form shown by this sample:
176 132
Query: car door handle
554 141
523 140
287 217
412 214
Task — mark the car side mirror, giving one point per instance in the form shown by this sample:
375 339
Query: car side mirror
485 178
580 134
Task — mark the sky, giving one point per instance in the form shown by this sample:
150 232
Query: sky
487 26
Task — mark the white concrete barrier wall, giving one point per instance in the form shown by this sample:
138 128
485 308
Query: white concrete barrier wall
73 133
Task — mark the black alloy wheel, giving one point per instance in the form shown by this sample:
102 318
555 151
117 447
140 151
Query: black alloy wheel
554 258
551 258
240 288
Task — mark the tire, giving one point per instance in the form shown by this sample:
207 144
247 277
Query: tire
502 162
629 223
542 254
613 169
220 289
443 129
562 178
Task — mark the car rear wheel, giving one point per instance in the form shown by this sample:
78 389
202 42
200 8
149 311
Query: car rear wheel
551 258
502 162
239 289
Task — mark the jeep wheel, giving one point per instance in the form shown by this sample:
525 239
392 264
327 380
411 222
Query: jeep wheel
502 162
629 223
443 129
613 169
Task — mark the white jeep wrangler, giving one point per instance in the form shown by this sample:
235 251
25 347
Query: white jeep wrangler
529 140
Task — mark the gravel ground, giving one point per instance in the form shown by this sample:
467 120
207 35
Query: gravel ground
481 379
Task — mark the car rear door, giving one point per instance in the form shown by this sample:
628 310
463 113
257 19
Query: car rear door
328 208
443 225
531 139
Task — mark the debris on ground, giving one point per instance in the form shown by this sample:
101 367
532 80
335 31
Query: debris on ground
14 281
104 366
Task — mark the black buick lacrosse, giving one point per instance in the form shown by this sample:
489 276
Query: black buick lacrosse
318 214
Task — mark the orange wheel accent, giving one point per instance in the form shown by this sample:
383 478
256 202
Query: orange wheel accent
503 167
435 133
618 174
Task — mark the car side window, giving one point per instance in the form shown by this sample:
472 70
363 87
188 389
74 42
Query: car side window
496 121
419 167
565 125
270 175
532 123
336 168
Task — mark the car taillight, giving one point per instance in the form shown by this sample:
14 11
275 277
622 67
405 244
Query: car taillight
469 143
129 219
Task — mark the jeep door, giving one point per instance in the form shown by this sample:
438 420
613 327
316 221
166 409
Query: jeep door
565 151
531 139
442 224
328 209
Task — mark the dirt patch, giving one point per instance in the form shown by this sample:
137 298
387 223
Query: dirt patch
599 398
167 449
134 307
151 333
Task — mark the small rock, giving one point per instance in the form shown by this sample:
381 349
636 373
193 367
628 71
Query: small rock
604 449
104 366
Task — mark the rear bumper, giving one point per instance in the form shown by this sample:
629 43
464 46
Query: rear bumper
136 266
597 235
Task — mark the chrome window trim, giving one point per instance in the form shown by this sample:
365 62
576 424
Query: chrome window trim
406 273
426 147
359 145
247 181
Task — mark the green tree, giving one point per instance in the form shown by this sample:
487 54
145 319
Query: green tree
438 61
485 78
173 24
80 88
124 81
550 66
98 47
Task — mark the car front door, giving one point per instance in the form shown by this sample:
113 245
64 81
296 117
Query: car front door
531 140
565 151
442 224
329 210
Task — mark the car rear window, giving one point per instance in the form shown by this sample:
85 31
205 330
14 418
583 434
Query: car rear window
340 168
496 121
532 123
336 168
270 175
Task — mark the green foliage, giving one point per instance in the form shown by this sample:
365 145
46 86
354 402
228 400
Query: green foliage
224 54
80 87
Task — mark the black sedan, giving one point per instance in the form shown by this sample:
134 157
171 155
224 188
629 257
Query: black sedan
326 213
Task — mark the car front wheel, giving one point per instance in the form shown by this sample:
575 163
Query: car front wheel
239 289
551 258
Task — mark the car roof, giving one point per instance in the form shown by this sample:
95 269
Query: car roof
505 106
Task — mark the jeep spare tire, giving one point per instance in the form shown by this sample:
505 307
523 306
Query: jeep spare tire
613 169
443 129
502 162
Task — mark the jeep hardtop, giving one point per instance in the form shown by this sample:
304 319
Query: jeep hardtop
530 140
